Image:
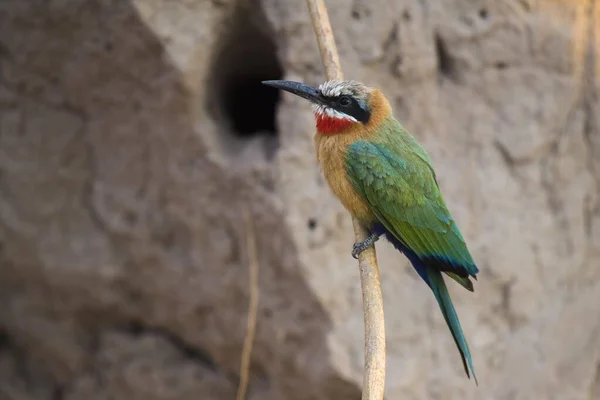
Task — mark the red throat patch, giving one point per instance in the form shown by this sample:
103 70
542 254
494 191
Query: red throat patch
330 125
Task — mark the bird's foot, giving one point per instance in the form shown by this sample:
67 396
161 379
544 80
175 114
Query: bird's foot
365 244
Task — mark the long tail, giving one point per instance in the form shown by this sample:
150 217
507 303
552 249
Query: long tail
440 291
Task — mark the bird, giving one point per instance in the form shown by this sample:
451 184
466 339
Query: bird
386 180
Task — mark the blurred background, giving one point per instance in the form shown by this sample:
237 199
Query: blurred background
133 133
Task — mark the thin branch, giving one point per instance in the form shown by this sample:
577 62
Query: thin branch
252 307
374 373
325 38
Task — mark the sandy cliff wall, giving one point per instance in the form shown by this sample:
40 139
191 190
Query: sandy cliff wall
132 132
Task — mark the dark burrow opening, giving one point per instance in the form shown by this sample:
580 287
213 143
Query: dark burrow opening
247 55
250 106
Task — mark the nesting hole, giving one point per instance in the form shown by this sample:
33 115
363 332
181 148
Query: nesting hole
250 106
238 100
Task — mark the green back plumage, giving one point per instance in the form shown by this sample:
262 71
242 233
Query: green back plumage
394 175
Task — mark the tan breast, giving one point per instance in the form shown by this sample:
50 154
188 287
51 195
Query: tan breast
331 151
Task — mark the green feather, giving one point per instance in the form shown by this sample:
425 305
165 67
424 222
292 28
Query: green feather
394 175
440 291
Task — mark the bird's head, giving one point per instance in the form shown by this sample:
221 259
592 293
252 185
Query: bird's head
339 105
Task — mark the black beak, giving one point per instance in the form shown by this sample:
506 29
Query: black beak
299 89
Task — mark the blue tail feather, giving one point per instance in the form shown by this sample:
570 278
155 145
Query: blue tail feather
433 277
440 291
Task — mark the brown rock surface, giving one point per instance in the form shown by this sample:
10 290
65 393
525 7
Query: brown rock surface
128 146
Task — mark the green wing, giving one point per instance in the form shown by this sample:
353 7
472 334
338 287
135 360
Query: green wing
401 188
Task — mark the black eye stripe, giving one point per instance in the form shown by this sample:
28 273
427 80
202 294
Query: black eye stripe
345 101
349 105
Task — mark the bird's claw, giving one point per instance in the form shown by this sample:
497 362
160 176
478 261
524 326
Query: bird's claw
359 247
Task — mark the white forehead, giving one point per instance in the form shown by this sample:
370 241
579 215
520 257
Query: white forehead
338 88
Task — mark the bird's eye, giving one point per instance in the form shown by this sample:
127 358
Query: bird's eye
345 101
